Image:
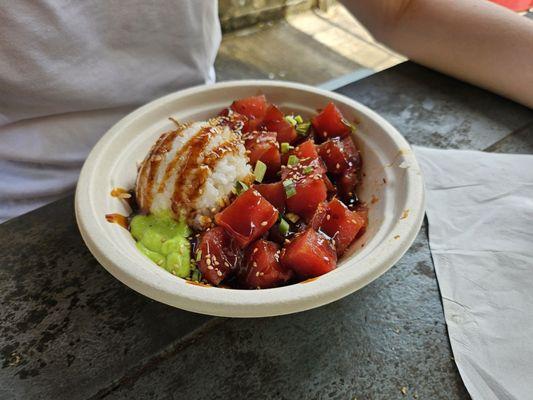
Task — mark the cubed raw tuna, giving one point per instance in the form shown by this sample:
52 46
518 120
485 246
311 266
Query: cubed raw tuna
330 123
261 267
309 254
234 120
264 147
318 217
248 217
304 187
346 184
274 121
274 193
342 224
254 108
306 150
219 255
339 155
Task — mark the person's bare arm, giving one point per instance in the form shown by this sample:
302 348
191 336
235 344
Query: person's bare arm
474 40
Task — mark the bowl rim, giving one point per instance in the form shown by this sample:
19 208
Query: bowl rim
252 303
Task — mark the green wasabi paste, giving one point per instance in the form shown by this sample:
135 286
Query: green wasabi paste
164 241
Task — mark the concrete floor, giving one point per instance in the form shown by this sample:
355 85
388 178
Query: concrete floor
312 47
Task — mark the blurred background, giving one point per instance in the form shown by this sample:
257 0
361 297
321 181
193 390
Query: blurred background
317 42
308 41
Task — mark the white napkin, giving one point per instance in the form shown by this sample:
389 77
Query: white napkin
480 213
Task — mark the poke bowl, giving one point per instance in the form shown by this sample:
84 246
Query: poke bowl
145 149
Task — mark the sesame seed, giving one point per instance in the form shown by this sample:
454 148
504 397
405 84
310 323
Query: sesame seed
326 258
226 264
264 223
219 273
256 250
209 267
254 264
257 273
207 260
328 151
328 217
337 166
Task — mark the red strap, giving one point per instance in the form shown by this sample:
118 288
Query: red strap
515 5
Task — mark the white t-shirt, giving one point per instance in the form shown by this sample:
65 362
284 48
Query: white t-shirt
70 69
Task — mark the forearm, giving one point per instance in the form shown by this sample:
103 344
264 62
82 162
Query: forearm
473 40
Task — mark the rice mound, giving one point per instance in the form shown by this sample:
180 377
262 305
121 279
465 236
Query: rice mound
192 171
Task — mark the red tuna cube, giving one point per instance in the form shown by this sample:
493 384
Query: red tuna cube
219 255
304 187
339 155
264 147
261 267
274 121
254 108
274 193
342 224
309 254
248 217
330 123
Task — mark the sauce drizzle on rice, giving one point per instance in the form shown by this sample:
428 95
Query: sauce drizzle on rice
193 162
179 174
177 158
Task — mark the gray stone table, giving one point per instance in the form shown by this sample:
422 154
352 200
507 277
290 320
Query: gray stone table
71 331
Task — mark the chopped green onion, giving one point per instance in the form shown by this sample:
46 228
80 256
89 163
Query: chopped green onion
196 275
299 119
290 119
283 227
347 123
240 187
259 171
292 217
293 160
301 129
308 170
198 255
285 147
290 187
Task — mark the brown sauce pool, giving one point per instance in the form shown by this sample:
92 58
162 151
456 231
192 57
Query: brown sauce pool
119 219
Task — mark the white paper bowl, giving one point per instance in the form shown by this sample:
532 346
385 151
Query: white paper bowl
392 187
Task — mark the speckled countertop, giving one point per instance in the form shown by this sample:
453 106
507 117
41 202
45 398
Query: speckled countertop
69 330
